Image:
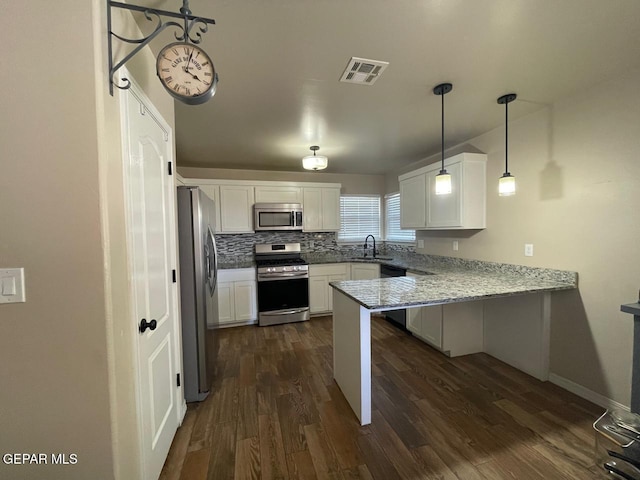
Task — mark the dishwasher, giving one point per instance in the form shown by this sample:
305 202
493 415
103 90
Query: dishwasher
397 317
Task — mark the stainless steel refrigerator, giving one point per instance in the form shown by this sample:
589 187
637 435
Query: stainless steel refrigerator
198 295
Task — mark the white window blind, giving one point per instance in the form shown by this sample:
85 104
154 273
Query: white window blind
393 233
359 217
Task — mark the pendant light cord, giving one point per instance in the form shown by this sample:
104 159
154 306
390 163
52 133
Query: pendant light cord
442 134
506 137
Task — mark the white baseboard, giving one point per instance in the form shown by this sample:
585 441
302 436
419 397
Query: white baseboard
585 393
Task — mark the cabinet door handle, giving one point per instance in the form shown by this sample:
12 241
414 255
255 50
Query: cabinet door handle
150 325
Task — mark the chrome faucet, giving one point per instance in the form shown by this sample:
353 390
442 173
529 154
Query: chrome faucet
366 245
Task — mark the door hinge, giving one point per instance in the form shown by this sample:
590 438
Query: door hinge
178 379
174 276
170 169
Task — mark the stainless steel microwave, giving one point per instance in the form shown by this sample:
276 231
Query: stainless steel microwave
277 216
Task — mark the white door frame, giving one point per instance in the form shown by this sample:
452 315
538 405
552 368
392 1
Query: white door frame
152 111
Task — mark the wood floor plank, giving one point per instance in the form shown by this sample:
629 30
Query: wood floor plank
275 412
300 465
222 457
292 422
376 460
247 374
247 466
273 465
247 413
340 435
429 462
397 452
325 460
196 465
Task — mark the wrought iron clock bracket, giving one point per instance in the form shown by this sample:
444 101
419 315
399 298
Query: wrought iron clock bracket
184 33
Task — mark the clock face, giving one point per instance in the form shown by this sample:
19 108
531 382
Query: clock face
187 73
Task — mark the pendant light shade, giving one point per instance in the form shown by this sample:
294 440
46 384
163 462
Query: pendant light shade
507 183
315 162
443 179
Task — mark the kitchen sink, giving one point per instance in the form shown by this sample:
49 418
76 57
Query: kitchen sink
377 257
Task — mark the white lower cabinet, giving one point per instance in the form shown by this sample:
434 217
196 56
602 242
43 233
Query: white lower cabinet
237 296
455 328
365 271
320 292
226 310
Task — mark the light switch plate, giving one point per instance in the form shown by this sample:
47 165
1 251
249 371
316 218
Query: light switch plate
420 243
455 245
12 285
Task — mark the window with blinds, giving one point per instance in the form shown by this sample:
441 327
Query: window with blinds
393 233
359 217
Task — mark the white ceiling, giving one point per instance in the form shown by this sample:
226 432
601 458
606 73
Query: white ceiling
279 63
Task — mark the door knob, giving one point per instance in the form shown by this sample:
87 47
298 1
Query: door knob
150 325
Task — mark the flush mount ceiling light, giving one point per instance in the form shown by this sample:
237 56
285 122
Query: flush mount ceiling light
507 183
443 179
315 162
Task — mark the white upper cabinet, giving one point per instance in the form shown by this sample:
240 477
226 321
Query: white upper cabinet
463 208
234 201
278 194
321 209
213 192
413 202
445 210
236 209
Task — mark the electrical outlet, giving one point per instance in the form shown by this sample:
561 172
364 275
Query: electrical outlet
420 243
528 249
455 245
311 244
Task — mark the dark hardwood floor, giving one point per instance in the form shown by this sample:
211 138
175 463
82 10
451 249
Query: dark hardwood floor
276 413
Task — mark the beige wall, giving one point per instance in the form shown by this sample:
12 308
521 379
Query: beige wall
53 352
120 334
66 354
578 176
351 183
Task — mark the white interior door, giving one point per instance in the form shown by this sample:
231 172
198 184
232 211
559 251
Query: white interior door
151 202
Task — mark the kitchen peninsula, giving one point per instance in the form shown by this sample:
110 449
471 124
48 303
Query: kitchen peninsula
510 319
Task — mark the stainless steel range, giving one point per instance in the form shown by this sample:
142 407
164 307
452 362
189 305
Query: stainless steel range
283 284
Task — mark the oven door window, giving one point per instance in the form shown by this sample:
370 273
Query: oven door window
283 294
275 219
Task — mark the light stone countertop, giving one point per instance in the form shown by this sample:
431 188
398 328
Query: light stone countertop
444 279
397 292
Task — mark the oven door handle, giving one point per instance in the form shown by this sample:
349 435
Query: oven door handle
289 312
282 275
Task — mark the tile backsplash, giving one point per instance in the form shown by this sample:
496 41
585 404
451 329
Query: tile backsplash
320 242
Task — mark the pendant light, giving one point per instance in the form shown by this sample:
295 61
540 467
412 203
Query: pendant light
443 179
315 162
507 183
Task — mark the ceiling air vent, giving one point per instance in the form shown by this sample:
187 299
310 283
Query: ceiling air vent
363 71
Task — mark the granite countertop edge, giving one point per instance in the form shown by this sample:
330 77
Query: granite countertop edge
346 287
